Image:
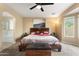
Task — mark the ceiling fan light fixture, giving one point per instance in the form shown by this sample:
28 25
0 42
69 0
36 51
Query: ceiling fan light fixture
38 7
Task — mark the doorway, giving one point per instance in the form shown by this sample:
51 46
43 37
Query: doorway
7 31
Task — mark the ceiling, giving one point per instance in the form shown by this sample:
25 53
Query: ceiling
49 10
76 10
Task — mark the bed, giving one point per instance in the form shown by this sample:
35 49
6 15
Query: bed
39 35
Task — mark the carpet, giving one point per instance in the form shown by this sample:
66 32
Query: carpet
67 50
11 51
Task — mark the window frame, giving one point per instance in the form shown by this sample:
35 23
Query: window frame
64 31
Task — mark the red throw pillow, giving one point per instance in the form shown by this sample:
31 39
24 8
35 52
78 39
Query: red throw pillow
44 34
41 34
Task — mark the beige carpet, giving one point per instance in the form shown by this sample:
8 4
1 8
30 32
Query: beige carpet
67 50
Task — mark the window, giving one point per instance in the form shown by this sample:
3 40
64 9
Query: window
69 26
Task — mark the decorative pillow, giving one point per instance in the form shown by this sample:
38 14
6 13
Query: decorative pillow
37 32
33 33
41 34
46 32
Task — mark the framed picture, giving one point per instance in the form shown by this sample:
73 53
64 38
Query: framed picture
39 23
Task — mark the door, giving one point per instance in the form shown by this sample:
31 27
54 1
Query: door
7 30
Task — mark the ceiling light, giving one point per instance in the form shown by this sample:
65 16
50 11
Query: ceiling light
38 7
53 13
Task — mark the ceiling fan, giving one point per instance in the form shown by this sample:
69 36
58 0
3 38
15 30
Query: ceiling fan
39 6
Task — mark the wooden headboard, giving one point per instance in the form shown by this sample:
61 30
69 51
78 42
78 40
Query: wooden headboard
41 30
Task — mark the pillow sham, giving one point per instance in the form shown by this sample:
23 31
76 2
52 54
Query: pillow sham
46 32
33 33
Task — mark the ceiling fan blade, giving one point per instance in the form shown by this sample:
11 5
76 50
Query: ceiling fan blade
44 3
42 9
33 7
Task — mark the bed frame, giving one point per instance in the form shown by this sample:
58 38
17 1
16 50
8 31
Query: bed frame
22 47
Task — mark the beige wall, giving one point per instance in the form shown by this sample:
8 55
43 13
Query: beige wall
27 24
53 24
